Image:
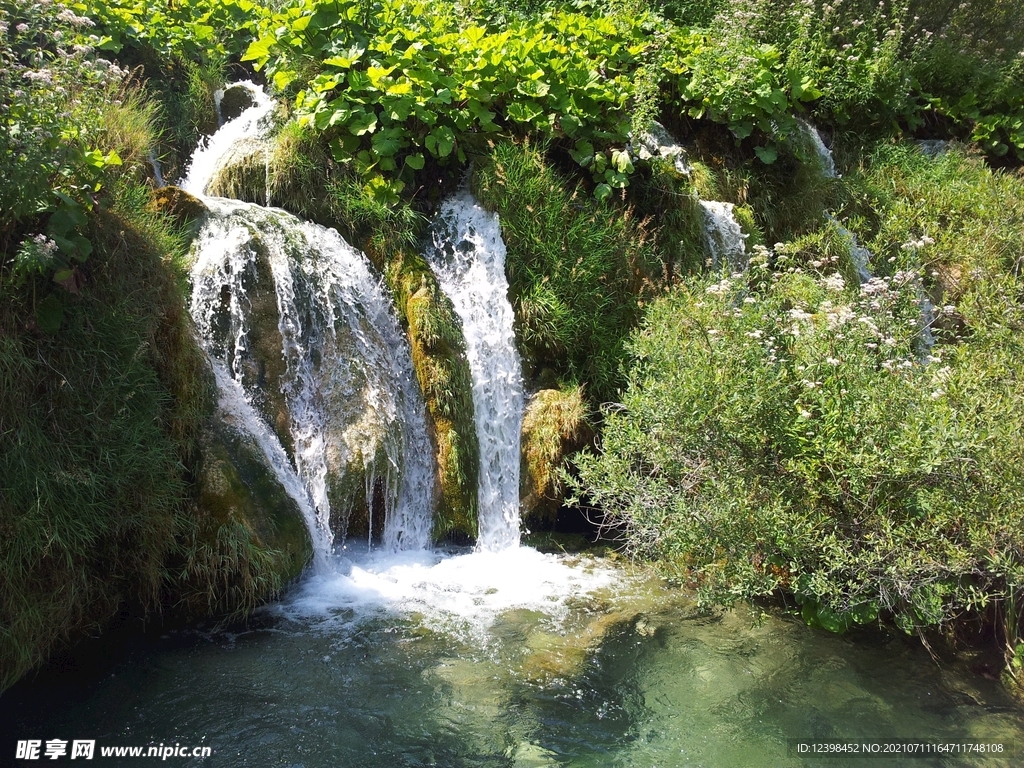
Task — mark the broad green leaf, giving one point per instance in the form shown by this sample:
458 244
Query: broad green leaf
363 123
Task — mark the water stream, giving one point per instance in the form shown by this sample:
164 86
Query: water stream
725 239
392 668
468 258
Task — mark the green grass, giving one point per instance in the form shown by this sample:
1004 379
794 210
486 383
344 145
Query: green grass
93 480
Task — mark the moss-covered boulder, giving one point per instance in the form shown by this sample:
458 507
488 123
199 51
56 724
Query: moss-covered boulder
250 537
175 202
554 425
439 359
244 172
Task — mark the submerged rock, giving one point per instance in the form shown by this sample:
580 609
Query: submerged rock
297 317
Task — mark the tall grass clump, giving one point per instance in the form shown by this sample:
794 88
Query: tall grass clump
578 270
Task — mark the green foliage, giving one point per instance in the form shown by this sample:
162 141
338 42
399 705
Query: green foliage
578 270
395 83
783 433
786 432
949 213
201 31
91 443
50 122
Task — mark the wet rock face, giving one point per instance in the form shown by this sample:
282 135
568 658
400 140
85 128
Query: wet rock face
442 370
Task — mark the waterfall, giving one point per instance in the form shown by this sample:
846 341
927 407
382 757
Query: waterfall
208 158
468 257
724 238
154 163
823 153
297 319
656 142
859 255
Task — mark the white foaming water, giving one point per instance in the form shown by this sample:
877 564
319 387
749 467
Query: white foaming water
352 400
209 156
352 403
468 258
238 413
825 159
657 142
462 594
724 238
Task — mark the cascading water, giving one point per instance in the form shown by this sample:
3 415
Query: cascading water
859 255
251 125
296 316
723 235
656 142
468 258
154 163
824 154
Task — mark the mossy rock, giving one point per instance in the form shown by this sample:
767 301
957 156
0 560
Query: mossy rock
554 425
244 173
442 369
234 101
178 204
236 485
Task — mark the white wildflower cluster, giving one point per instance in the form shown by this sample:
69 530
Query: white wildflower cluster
917 243
834 283
35 254
721 288
70 17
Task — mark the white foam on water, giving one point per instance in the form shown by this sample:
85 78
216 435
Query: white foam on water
462 594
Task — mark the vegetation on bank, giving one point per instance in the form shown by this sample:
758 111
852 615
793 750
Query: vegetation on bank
853 445
785 431
107 455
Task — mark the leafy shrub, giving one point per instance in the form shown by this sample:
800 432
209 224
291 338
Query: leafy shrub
50 92
782 431
394 83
